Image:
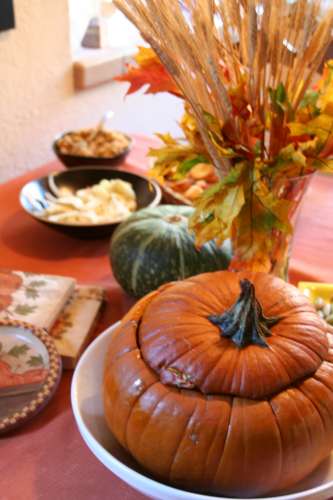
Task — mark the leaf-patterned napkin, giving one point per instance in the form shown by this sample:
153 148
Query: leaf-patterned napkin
35 298
75 325
68 312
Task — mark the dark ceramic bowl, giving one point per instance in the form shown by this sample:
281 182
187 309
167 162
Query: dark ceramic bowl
172 197
70 160
33 196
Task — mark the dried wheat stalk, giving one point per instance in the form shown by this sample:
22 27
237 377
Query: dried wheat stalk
265 42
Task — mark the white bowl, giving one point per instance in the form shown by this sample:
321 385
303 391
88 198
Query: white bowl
87 403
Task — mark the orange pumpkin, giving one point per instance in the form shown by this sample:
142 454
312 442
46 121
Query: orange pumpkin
222 383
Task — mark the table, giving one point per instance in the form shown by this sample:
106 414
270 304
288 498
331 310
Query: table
46 458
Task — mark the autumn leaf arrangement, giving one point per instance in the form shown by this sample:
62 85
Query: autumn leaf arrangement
254 109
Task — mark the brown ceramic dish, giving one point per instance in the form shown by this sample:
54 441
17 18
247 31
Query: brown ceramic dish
71 160
33 197
172 197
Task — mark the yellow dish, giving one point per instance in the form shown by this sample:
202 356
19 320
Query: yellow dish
314 290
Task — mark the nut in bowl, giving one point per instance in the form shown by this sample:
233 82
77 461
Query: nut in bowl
88 202
321 296
92 146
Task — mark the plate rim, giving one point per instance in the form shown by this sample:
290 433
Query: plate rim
49 386
90 441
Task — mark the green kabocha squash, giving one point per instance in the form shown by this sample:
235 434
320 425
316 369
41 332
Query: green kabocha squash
154 246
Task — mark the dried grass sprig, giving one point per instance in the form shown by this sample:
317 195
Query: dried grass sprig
269 42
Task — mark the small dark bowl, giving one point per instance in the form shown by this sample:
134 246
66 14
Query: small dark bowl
81 161
33 199
172 197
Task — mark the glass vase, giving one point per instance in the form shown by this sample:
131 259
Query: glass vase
263 233
292 190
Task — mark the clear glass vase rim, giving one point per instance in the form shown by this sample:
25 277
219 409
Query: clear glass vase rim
300 177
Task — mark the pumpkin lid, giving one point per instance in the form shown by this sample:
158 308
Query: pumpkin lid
244 334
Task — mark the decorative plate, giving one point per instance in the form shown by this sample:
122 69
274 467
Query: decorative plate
30 370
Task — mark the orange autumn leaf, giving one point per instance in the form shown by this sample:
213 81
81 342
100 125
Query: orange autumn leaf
149 70
326 78
145 57
154 75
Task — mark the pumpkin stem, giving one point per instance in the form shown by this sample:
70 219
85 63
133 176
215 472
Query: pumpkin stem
244 323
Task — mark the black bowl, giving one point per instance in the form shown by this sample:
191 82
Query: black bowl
33 196
81 161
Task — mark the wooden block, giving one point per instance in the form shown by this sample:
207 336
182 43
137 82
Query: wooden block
101 67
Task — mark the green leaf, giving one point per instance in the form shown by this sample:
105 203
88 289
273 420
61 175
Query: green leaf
212 124
207 219
234 174
35 361
274 212
267 221
321 126
324 165
210 119
211 191
186 165
233 201
257 148
310 100
252 243
288 158
230 179
24 309
166 138
17 350
37 283
31 293
214 215
279 99
170 153
281 94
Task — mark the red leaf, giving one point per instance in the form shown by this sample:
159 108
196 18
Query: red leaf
328 149
153 74
299 138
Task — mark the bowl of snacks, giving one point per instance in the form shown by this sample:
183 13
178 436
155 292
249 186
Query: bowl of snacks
88 202
187 190
92 146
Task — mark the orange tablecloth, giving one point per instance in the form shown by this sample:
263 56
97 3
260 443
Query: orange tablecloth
46 458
